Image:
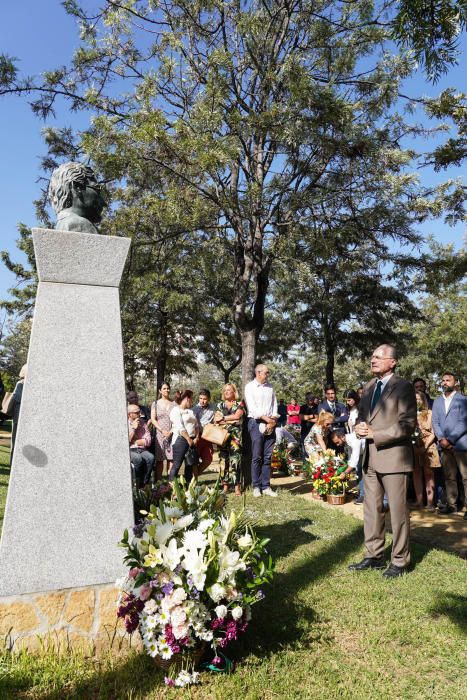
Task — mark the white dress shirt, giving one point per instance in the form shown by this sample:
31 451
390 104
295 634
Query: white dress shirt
354 447
260 400
448 399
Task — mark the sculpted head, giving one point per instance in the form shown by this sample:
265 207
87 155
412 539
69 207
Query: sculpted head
75 197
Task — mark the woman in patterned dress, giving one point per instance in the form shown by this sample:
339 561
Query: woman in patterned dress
315 441
229 414
160 419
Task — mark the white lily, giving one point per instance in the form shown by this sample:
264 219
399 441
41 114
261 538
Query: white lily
171 555
183 522
163 532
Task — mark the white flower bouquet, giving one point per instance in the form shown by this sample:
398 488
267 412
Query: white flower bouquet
193 575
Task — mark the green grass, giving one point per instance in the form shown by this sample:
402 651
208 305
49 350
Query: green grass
321 633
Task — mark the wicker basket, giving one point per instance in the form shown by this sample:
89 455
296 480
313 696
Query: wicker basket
336 500
177 661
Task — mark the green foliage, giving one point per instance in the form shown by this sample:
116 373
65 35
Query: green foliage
431 28
14 350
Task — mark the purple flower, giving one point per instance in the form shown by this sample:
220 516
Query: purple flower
260 595
217 624
223 643
178 569
169 681
138 529
168 588
175 648
217 661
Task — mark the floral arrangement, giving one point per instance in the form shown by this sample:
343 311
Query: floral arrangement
324 469
194 574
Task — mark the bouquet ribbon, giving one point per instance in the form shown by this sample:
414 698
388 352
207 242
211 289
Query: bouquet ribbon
227 667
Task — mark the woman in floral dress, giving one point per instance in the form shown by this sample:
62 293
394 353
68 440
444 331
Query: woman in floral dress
229 414
160 419
315 441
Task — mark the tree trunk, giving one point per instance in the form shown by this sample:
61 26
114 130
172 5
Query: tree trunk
330 355
161 357
248 356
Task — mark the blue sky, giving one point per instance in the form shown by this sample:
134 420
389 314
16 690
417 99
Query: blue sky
42 36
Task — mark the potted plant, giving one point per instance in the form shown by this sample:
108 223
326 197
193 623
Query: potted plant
194 574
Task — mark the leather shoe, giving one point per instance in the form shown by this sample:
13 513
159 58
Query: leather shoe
368 563
394 571
447 510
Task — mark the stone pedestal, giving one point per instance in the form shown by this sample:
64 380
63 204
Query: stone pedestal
69 498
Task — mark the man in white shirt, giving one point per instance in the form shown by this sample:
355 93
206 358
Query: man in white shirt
262 419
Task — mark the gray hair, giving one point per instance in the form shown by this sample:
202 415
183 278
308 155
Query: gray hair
390 349
63 177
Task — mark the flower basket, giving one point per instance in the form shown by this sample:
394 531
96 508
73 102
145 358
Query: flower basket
194 574
326 471
179 661
336 499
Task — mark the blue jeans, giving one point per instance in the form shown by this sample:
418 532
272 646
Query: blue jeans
261 454
179 450
143 462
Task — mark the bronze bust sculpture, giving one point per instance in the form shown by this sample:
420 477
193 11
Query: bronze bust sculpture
76 198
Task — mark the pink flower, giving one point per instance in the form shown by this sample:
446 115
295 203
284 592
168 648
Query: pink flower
145 591
133 573
180 631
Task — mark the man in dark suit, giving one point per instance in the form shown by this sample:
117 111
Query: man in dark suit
332 405
386 419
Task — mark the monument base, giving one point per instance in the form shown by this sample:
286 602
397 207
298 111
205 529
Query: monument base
74 618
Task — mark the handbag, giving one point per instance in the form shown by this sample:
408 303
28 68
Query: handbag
191 455
8 404
215 434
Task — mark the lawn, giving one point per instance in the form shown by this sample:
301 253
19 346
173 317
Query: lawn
322 632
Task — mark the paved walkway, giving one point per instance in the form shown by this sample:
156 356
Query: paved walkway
449 532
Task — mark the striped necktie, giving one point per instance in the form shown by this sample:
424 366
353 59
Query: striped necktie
376 395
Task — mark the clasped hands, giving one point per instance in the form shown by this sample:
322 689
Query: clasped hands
363 430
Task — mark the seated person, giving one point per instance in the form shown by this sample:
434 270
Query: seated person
133 398
140 442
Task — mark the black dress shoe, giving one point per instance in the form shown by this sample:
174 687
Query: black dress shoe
368 563
447 510
394 571
358 501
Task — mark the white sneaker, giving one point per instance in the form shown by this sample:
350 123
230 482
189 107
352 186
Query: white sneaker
257 493
269 492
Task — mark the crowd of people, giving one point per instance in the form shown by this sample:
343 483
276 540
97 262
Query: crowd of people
171 432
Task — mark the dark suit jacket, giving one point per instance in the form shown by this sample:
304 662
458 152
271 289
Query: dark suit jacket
340 413
393 422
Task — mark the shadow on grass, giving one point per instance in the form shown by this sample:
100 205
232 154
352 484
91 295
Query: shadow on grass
5 470
452 606
283 619
137 673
